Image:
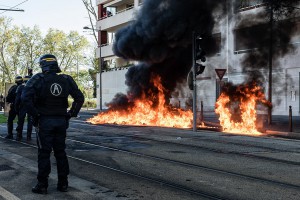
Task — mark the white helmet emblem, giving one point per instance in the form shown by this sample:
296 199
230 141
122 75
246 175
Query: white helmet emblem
55 89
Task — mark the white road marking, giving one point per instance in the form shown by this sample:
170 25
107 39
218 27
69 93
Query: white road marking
7 195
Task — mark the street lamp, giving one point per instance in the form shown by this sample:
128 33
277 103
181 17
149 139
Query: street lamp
100 63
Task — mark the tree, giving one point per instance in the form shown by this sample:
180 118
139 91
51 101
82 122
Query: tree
277 9
281 8
68 48
21 47
92 17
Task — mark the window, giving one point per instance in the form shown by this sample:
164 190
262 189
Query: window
251 37
212 45
284 32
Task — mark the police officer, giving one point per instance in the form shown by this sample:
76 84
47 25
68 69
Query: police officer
10 98
1 102
19 107
45 97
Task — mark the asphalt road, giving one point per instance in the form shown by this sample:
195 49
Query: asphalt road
130 162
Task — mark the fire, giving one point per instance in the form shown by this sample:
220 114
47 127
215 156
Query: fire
145 113
237 112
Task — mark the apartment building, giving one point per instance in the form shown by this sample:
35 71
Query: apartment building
240 34
112 15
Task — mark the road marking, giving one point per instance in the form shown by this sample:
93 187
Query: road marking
7 195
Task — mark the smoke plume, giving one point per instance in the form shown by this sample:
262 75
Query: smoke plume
160 38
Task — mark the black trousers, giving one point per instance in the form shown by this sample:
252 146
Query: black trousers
10 120
21 119
51 135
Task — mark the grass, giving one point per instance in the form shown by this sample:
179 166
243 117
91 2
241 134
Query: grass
3 119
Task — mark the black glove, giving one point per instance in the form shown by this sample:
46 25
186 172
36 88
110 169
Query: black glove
68 117
35 120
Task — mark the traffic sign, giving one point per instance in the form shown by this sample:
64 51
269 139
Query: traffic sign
220 73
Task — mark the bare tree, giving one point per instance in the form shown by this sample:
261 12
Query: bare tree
282 8
92 17
277 9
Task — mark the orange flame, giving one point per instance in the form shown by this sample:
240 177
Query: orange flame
245 98
145 113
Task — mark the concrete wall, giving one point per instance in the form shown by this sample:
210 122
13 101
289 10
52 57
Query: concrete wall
113 82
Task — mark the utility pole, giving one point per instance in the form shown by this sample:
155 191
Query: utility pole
100 70
100 63
198 68
270 63
194 85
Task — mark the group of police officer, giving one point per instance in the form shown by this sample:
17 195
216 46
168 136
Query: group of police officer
45 100
17 109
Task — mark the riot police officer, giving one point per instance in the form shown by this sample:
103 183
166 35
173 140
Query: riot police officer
19 107
45 97
10 98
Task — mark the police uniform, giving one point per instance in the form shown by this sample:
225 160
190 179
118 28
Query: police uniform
45 96
10 98
20 109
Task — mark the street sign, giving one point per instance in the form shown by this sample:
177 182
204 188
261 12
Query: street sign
220 73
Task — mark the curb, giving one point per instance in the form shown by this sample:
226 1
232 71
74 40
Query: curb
293 135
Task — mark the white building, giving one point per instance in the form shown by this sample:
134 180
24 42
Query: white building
113 14
231 32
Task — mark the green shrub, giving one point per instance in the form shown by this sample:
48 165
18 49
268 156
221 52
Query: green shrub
3 119
88 103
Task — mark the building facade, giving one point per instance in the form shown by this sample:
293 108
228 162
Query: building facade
240 33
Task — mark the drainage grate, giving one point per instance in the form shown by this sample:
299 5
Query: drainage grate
5 168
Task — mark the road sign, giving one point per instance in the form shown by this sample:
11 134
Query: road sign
220 73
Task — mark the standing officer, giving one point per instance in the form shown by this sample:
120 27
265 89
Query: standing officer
10 98
45 97
19 107
1 102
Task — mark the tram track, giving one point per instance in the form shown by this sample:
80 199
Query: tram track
216 150
190 165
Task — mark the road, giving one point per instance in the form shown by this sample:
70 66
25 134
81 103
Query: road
131 162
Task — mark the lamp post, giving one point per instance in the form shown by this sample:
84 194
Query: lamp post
100 63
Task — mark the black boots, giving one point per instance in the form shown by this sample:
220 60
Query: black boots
9 136
19 137
40 188
62 185
62 188
28 138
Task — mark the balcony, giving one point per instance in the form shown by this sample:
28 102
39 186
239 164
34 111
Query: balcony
106 51
103 1
113 22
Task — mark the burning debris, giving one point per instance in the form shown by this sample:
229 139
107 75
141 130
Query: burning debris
237 106
143 112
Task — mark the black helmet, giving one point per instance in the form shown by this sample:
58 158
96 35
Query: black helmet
26 78
48 62
18 79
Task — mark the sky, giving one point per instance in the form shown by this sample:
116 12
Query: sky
65 15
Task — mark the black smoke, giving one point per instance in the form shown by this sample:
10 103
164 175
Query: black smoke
269 36
160 38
